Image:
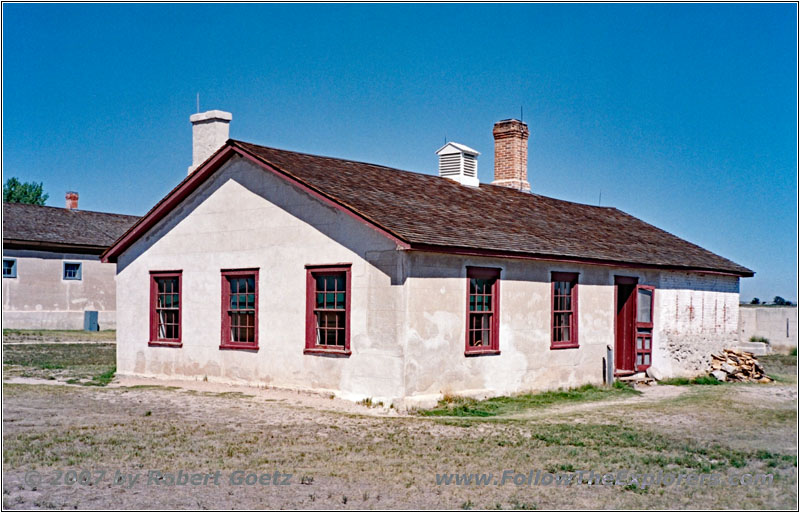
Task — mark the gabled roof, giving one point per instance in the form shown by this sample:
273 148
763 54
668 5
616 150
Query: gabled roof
40 226
454 147
424 212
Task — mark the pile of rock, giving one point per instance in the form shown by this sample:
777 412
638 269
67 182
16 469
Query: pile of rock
734 365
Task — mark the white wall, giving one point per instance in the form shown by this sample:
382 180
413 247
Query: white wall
39 297
778 324
699 314
408 318
246 218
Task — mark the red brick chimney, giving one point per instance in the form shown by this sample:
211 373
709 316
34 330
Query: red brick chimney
72 200
511 154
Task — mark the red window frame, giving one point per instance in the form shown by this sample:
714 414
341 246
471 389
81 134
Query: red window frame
312 310
643 342
155 340
558 310
477 297
225 339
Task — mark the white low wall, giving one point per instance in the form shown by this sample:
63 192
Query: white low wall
778 324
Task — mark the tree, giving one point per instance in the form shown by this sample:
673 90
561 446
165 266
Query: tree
755 301
779 300
31 193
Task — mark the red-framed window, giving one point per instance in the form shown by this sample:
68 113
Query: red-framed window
483 311
239 309
328 309
644 326
165 308
564 310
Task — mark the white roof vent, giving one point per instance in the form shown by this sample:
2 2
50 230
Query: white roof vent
459 163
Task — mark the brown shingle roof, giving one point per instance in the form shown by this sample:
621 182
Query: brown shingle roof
432 211
60 226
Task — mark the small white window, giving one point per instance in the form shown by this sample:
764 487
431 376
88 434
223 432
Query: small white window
9 268
72 271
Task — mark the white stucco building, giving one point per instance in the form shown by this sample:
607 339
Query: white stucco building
52 274
270 267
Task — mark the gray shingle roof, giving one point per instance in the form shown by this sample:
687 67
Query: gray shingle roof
53 225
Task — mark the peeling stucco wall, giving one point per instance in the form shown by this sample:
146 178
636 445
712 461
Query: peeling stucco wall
39 297
698 315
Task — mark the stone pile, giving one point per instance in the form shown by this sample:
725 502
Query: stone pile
733 365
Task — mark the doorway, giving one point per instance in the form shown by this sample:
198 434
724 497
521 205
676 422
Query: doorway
633 342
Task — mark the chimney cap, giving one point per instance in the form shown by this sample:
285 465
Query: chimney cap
219 115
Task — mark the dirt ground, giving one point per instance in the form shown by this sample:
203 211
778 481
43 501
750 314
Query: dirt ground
70 441
341 455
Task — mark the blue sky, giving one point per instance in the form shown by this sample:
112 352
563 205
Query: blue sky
684 115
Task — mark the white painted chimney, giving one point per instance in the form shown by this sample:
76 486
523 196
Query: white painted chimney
460 163
209 133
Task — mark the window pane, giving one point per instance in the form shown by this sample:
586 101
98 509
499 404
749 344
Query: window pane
320 300
644 302
638 359
340 301
647 359
251 301
320 282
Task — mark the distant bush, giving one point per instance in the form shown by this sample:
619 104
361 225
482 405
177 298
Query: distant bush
759 339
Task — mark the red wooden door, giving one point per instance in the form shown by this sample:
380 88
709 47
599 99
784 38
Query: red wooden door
644 326
624 357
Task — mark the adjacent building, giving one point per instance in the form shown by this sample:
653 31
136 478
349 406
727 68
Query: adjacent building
272 267
52 274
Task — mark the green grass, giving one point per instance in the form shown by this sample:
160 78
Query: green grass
103 379
454 406
92 364
699 380
780 367
793 352
58 335
759 339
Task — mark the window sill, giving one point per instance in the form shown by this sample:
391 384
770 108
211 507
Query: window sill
564 346
247 347
481 352
326 352
164 343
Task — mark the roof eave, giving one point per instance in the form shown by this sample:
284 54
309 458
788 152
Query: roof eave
67 247
458 250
